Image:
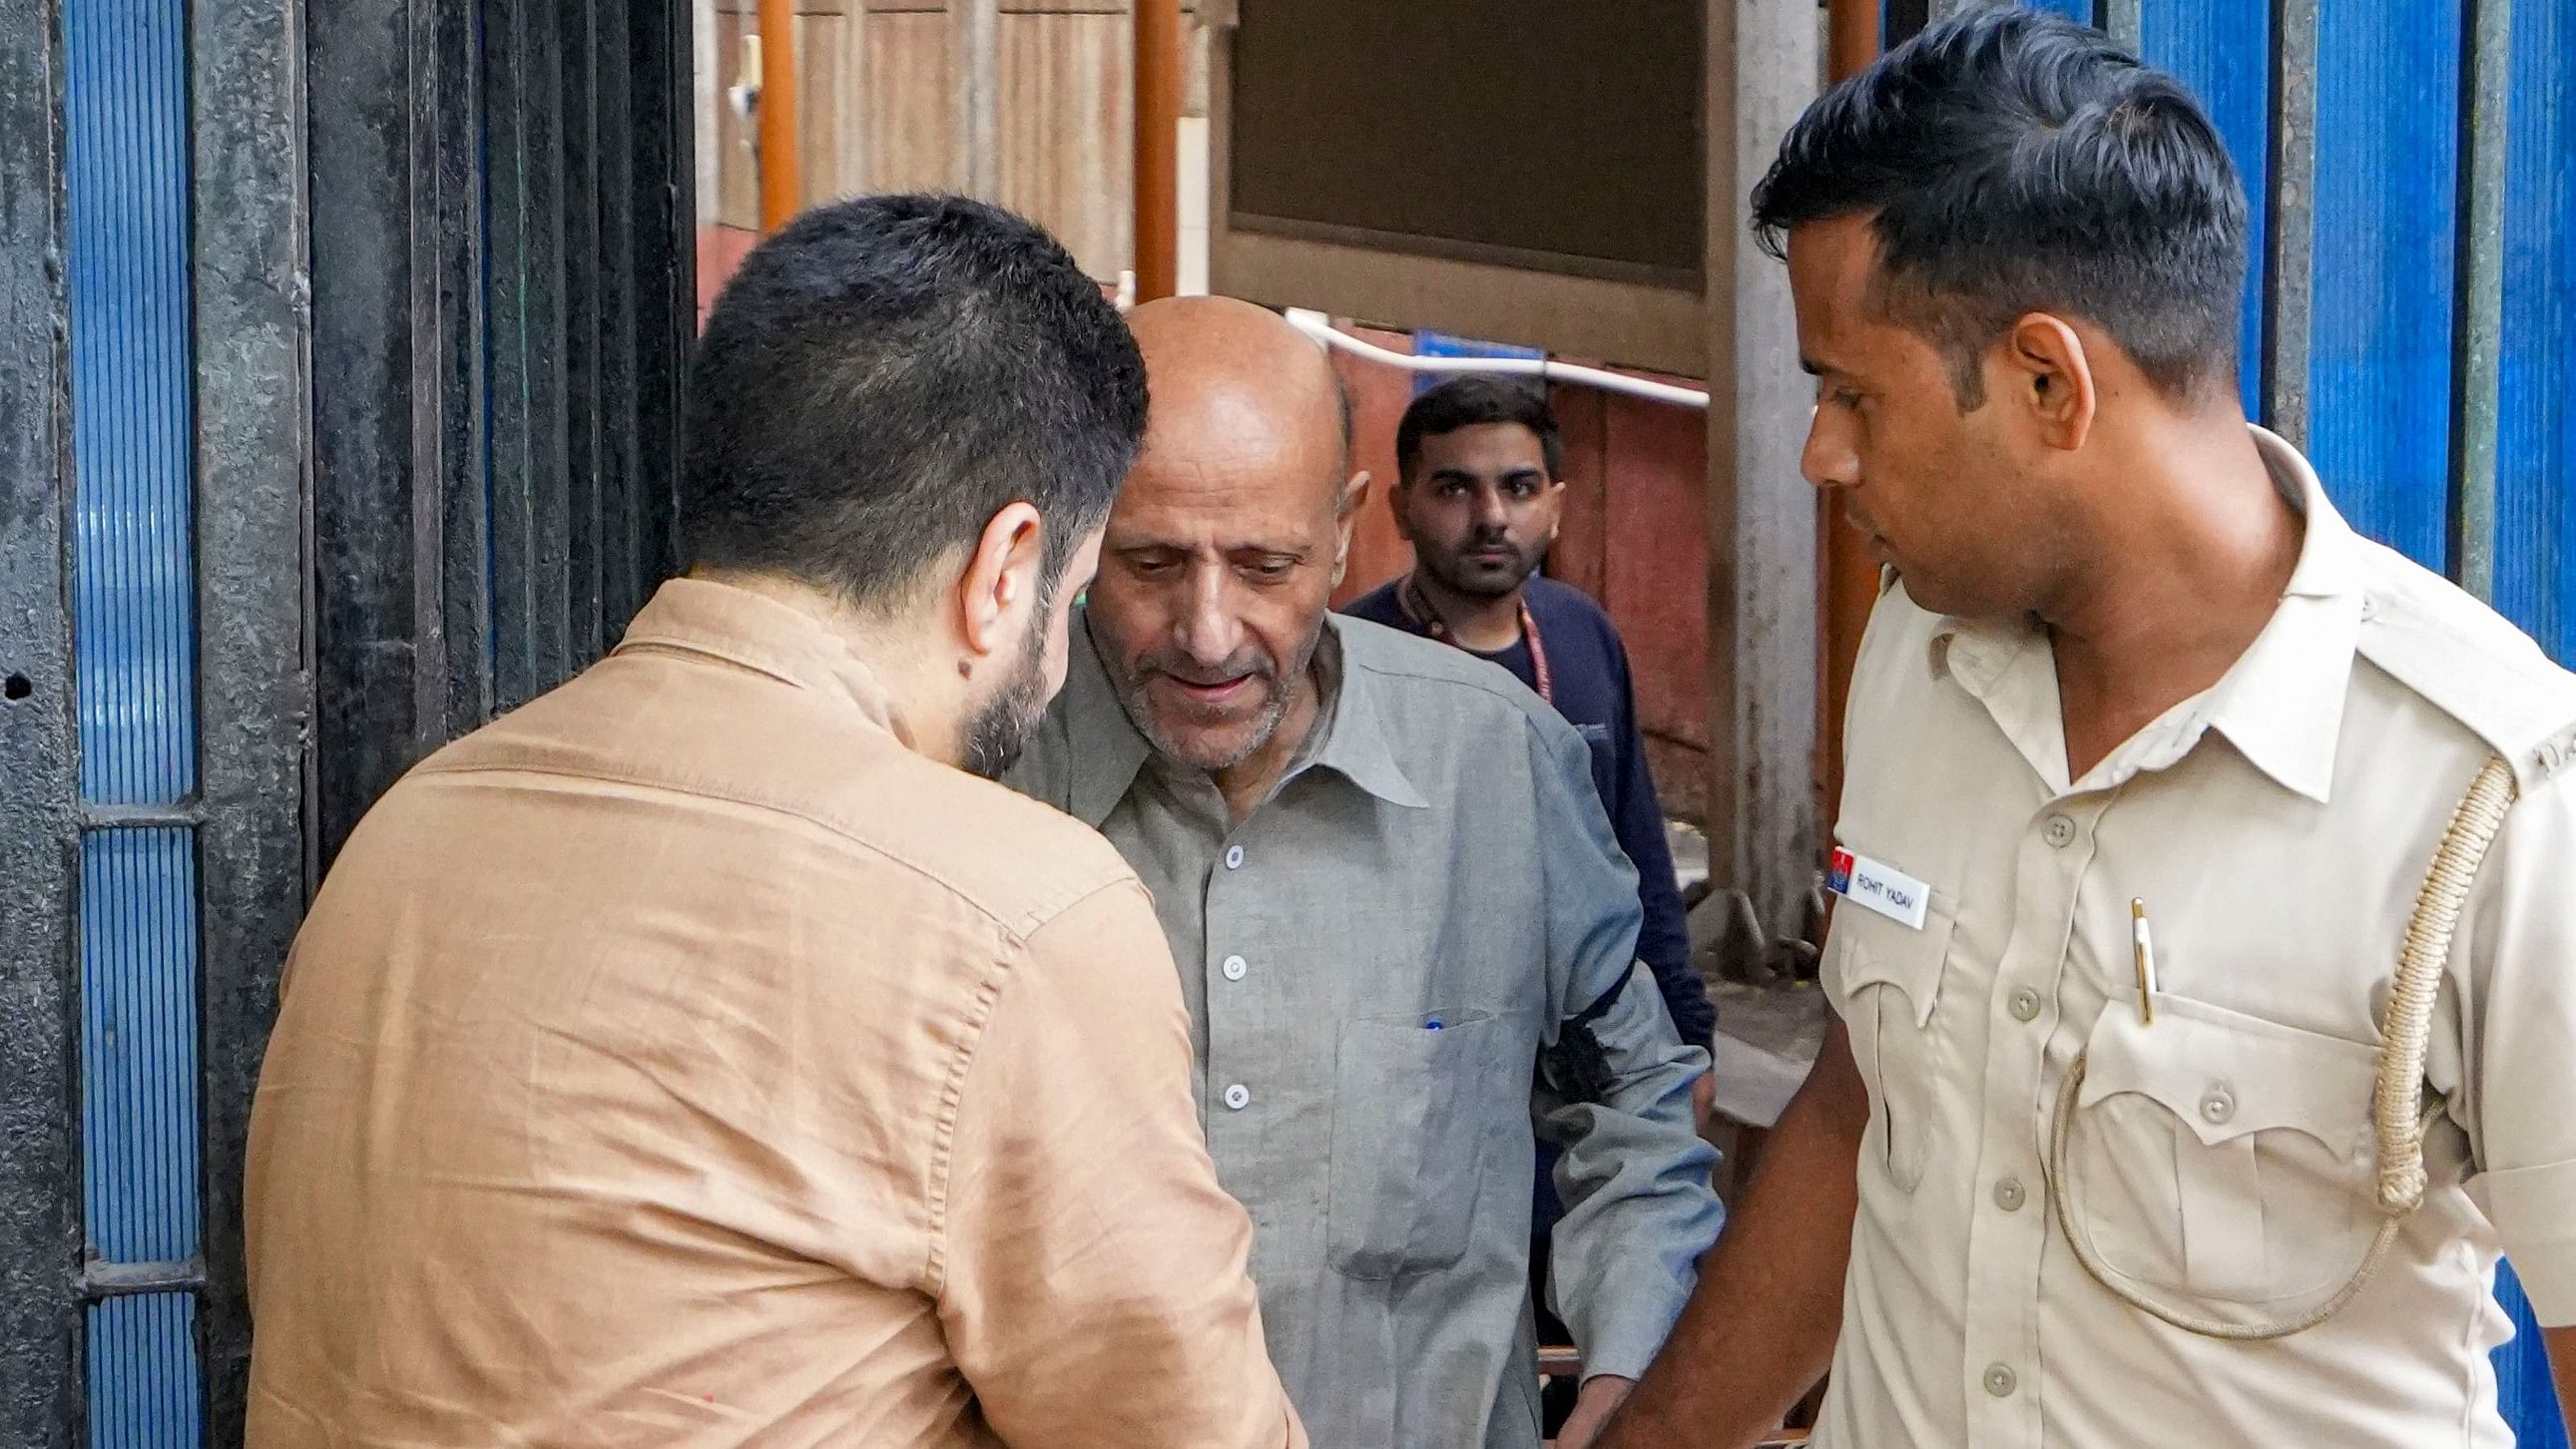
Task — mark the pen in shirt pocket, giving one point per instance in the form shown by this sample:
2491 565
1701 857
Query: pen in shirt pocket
2143 945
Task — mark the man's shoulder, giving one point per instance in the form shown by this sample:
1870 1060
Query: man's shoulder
847 799
1379 605
1426 682
2469 663
1556 603
1021 861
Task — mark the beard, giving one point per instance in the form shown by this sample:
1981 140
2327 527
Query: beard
1462 575
1000 727
1207 749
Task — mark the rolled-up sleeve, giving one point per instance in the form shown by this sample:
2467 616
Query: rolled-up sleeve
1634 1174
2520 1045
1092 1275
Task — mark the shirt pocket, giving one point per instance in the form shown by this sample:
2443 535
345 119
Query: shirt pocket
1412 1104
1886 981
2223 1156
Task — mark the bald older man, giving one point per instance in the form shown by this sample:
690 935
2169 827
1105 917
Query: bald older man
1405 932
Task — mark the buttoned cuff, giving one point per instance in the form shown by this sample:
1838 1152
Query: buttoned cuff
2528 1206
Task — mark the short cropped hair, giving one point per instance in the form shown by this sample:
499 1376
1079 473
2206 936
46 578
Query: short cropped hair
884 375
2011 161
1470 399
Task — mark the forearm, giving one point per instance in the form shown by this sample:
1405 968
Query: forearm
1760 1329
1634 1177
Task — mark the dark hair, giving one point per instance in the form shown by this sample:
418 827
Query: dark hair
1464 402
884 375
2013 161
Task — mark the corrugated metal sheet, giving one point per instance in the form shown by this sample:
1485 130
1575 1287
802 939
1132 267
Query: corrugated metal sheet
139 1043
2379 375
2536 414
125 132
143 1375
1066 87
2221 49
2523 1382
126 185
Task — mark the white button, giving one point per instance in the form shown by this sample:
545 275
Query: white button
2000 1381
2025 1004
2059 831
1238 1096
2009 1195
1234 857
1233 968
2218 1105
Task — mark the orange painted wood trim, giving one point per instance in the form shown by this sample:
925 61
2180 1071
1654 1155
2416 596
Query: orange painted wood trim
782 180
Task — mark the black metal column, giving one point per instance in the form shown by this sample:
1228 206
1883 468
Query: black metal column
255 689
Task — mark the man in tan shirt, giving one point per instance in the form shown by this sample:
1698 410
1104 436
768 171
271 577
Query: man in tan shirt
704 1055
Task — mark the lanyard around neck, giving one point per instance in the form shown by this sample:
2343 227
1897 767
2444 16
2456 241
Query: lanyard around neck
1409 597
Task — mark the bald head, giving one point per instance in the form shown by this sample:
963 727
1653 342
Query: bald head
1230 378
1228 539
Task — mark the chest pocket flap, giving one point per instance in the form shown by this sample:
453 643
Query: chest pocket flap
1870 950
2227 1074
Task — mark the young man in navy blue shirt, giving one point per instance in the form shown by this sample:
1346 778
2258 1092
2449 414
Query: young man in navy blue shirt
1478 494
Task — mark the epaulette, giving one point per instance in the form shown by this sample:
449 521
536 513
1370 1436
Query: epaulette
2473 665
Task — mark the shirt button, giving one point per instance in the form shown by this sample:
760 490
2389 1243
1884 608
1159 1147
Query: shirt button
2000 1380
1233 968
1234 857
1238 1097
2059 831
2009 1195
2217 1105
2025 1005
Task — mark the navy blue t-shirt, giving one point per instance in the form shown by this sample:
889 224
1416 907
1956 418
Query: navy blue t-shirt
1588 673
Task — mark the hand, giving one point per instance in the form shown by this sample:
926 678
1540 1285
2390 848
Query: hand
1704 1102
1592 1409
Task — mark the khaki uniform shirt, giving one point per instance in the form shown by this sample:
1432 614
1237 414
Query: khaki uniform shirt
682 1060
1374 961
2277 827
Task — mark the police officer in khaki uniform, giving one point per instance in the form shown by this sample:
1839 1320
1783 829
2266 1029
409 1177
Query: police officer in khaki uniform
2173 1100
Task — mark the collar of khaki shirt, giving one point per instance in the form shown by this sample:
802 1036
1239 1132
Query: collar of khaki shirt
2281 704
766 636
1350 730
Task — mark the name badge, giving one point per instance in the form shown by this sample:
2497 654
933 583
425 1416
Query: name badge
1881 888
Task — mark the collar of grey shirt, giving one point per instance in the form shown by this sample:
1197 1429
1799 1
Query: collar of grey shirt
1351 731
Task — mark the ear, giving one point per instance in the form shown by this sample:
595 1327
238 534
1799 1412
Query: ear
998 593
1554 493
1354 493
2051 379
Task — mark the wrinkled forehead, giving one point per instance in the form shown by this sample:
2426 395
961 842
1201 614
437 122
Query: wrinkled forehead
1227 466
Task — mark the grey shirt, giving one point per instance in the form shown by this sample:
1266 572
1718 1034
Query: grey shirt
1377 962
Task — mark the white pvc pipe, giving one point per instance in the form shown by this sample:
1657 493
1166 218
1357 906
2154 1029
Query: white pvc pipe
1316 325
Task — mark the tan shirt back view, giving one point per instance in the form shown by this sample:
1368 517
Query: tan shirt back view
682 1060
